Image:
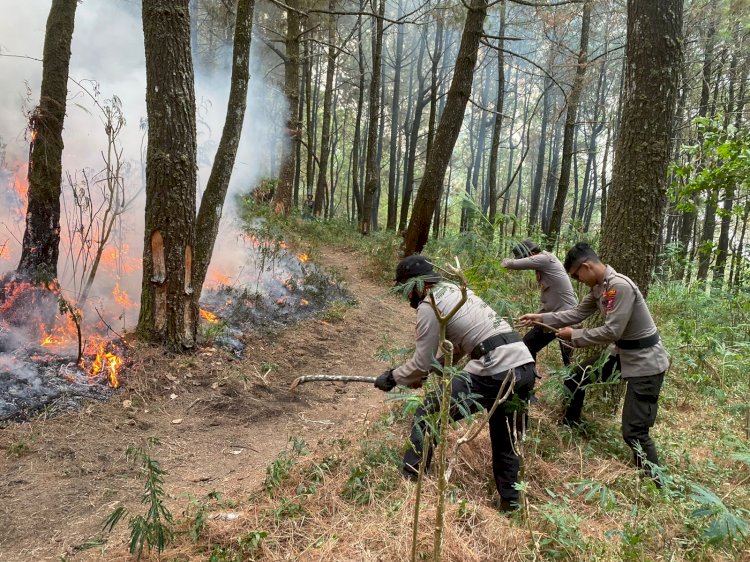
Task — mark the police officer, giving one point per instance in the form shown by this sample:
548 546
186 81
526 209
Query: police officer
495 351
635 347
556 291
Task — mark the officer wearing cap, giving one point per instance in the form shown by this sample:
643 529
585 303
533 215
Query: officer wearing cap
495 351
635 347
556 291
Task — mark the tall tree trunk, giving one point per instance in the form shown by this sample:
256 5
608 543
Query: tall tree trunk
395 105
435 56
169 309
291 136
413 137
212 202
448 130
536 189
41 239
356 190
689 216
638 193
497 124
372 170
574 98
552 178
325 135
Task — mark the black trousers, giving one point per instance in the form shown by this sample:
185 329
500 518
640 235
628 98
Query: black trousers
638 411
505 463
537 339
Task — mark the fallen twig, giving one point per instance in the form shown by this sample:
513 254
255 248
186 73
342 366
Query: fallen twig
336 378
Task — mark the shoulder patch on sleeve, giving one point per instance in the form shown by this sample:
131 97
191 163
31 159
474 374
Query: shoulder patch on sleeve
609 297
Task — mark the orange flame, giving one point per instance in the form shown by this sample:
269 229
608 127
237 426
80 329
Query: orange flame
121 297
105 363
304 302
5 252
303 258
219 279
209 316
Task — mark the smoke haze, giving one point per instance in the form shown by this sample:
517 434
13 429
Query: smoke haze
107 51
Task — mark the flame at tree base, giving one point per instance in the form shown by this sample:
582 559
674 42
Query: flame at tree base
105 363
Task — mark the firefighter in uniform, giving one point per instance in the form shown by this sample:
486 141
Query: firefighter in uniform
556 291
495 352
635 348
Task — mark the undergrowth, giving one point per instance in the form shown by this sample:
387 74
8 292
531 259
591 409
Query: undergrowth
346 500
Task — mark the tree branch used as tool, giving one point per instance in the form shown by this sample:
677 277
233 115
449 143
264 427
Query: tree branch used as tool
336 378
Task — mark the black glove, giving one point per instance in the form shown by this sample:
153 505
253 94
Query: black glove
386 382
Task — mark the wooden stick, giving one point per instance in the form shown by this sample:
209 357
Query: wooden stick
338 378
551 329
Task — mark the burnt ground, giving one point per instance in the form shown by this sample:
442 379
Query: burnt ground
220 421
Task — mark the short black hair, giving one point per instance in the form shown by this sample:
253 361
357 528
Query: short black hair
579 253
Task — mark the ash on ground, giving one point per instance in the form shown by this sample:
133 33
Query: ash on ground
34 384
292 292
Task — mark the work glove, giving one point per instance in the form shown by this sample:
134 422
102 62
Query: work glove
386 382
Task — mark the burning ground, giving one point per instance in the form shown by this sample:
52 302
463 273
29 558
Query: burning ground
53 358
221 421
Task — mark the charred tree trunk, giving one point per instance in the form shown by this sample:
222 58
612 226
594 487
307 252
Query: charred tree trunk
41 238
638 193
447 132
574 98
169 309
290 142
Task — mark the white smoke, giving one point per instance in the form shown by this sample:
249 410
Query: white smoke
107 50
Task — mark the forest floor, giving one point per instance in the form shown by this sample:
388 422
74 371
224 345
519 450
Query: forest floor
220 422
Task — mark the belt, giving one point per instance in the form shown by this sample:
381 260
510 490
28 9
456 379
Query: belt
492 342
641 343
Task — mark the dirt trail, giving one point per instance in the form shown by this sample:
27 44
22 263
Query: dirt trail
62 477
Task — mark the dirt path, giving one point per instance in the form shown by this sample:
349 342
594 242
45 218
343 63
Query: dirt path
62 477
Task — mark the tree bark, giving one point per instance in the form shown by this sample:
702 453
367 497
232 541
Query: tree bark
212 202
638 193
498 121
169 309
41 238
372 169
325 135
574 98
448 129
285 187
395 105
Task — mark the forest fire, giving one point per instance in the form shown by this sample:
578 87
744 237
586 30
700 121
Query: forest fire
50 359
209 317
105 363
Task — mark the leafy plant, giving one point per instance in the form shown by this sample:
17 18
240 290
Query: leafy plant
155 528
724 524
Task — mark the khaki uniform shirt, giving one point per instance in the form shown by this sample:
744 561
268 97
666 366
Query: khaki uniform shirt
557 291
626 317
473 323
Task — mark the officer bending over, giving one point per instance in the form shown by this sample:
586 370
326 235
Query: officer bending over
635 351
494 349
556 291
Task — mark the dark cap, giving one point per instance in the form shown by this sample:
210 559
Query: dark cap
416 266
525 248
